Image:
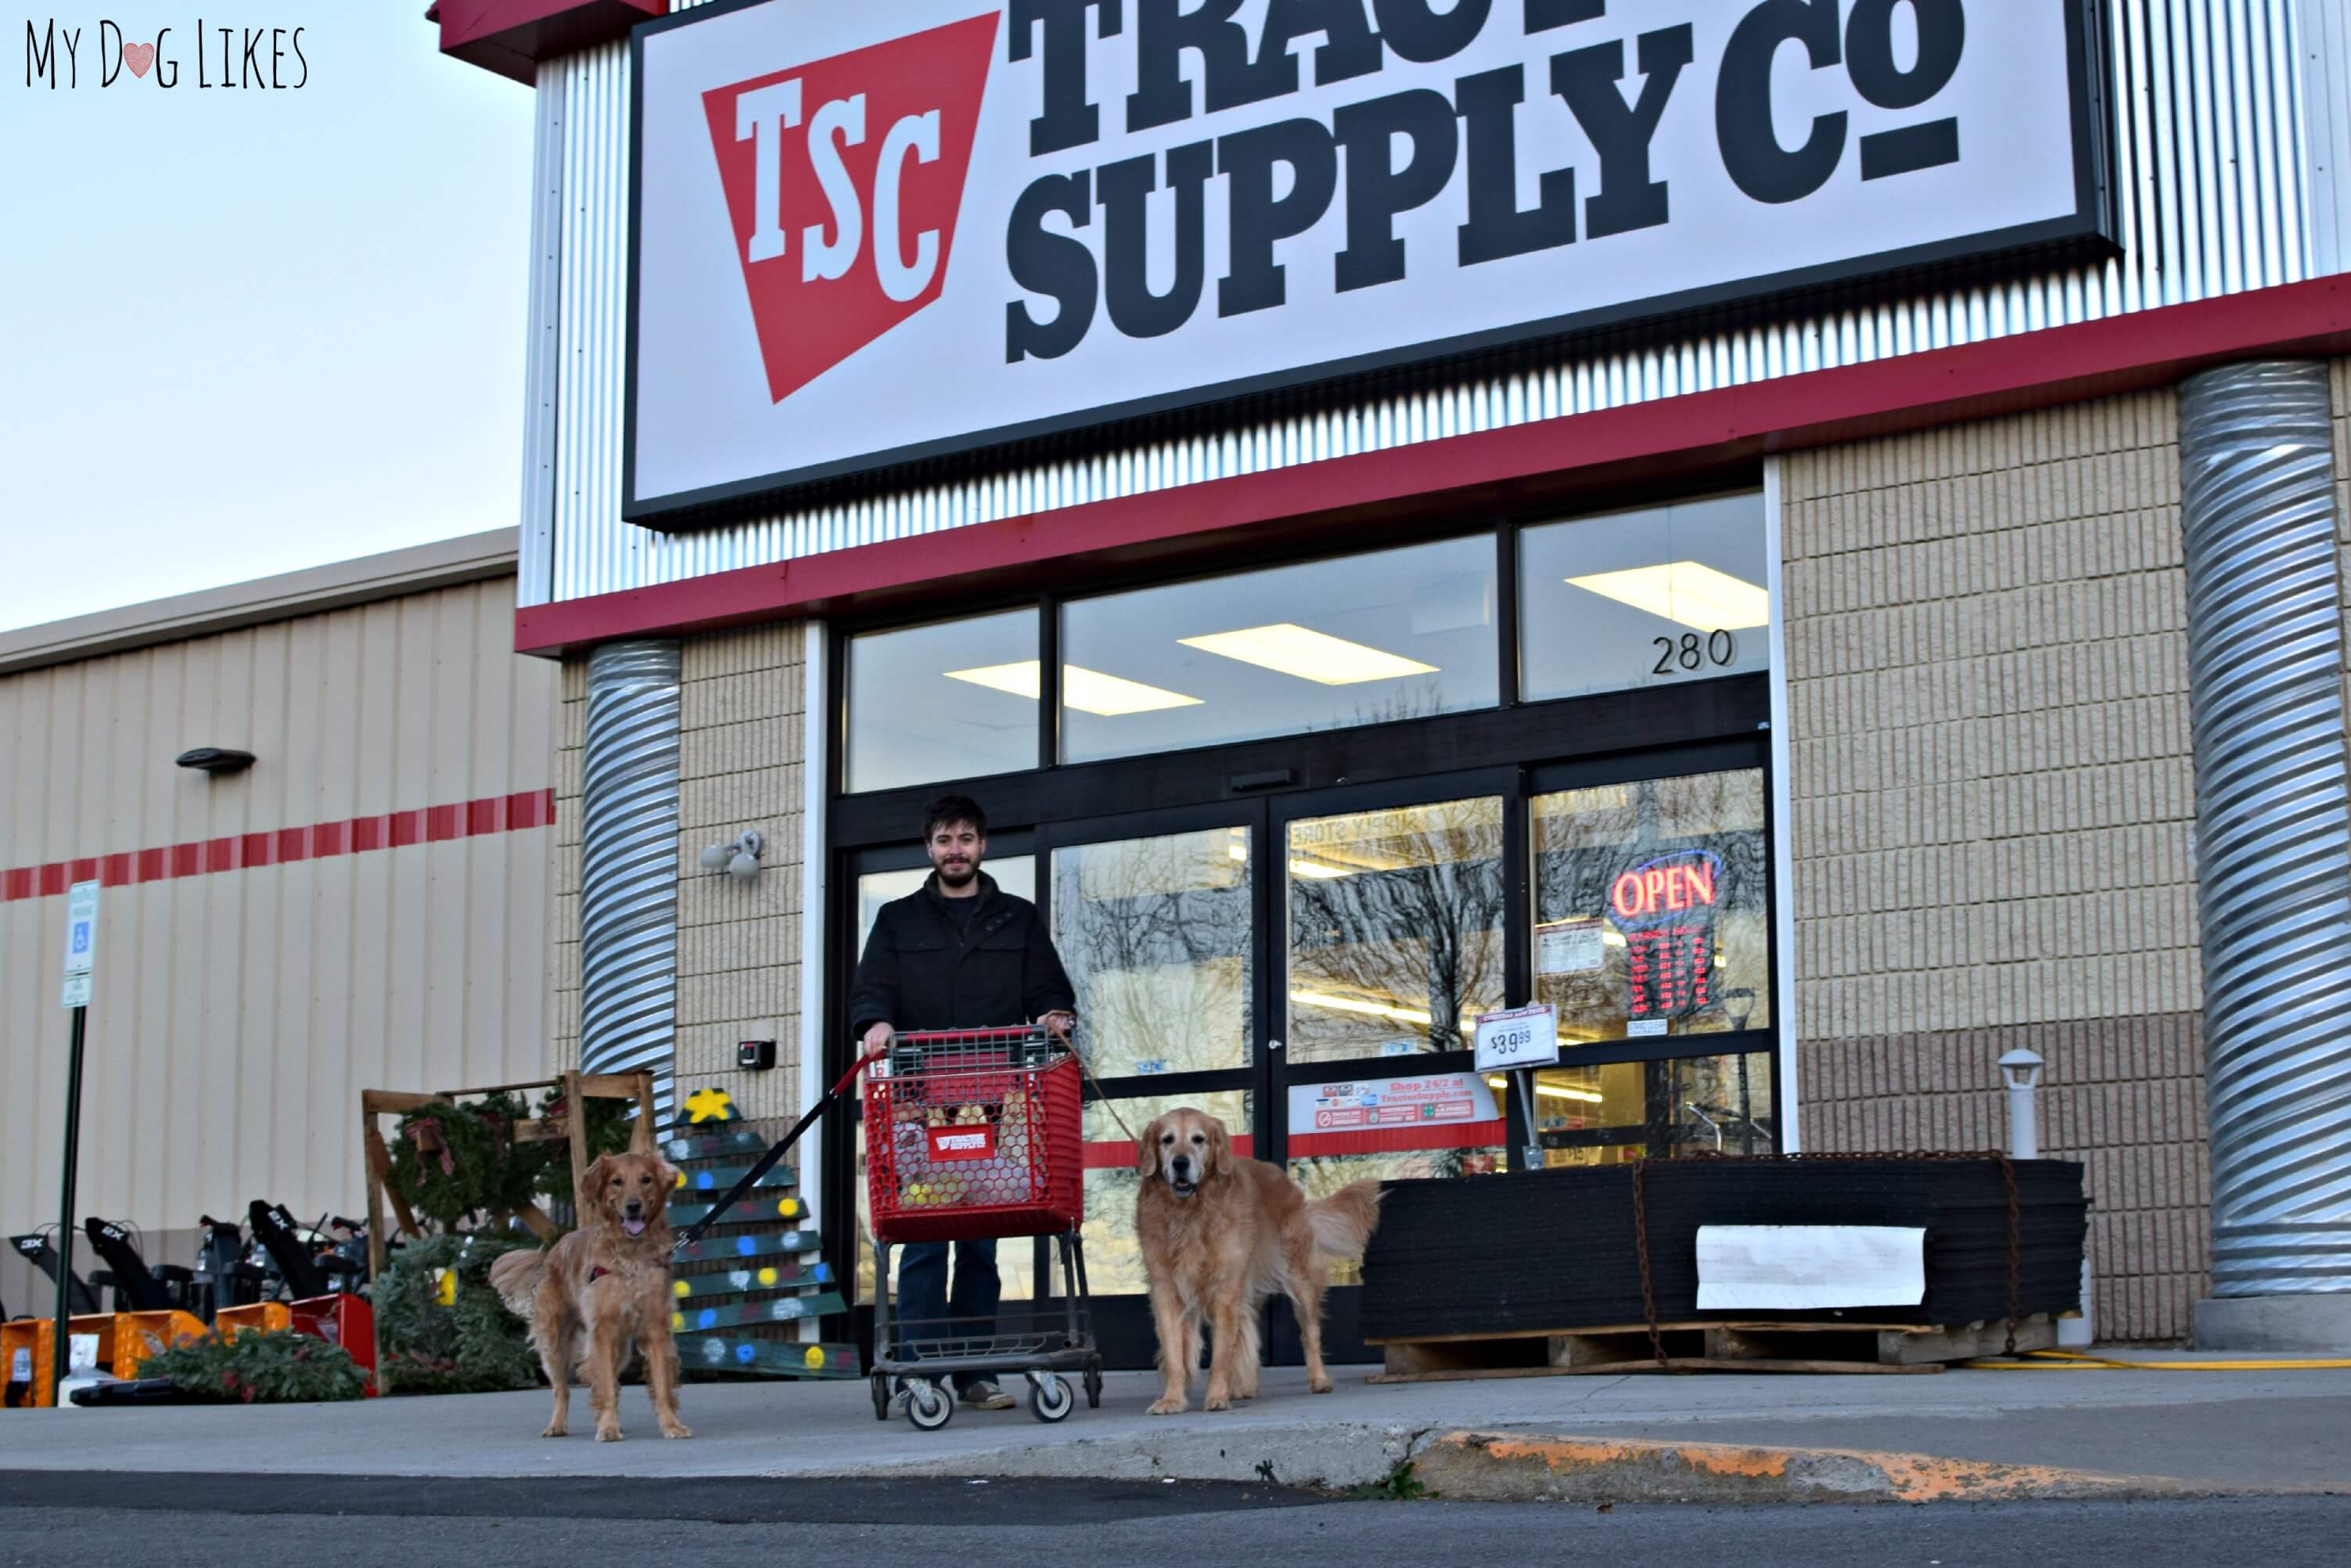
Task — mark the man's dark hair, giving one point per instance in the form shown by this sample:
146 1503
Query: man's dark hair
950 809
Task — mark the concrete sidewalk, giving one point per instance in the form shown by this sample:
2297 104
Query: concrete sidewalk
1709 1437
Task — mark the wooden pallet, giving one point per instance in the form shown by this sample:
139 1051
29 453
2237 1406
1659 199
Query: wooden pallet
1835 1347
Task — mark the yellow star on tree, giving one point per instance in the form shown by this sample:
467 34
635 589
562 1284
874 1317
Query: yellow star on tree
709 1105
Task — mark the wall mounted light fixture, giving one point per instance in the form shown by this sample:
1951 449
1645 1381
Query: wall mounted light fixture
739 860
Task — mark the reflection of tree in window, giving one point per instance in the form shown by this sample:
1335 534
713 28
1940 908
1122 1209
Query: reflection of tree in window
1155 933
1396 927
1586 839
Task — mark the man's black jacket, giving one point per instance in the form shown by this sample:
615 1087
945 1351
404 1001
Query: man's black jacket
919 972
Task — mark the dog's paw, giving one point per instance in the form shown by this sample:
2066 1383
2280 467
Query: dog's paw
1320 1384
557 1432
1216 1402
1167 1408
608 1434
676 1430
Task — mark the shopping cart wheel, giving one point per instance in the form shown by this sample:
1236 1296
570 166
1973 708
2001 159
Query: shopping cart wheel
881 1397
929 1406
1050 1398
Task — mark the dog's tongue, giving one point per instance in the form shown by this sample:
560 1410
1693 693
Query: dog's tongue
633 1227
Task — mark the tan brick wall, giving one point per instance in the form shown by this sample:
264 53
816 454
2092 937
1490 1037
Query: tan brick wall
571 788
738 947
1992 805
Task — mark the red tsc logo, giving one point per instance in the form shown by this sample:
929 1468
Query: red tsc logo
844 178
963 1142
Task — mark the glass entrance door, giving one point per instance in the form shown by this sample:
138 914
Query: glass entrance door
1157 920
1391 914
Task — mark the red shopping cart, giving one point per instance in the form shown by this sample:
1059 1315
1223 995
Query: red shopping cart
972 1134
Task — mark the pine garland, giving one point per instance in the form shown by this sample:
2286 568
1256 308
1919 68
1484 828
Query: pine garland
609 1125
474 1346
260 1366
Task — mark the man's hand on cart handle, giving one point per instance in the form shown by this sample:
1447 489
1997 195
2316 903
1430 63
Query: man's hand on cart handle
1059 1023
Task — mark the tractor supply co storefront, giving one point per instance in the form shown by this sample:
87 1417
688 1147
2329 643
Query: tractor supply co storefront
1678 518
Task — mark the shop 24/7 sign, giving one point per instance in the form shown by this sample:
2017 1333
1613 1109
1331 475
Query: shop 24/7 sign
865 234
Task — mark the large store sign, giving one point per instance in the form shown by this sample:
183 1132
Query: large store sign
864 234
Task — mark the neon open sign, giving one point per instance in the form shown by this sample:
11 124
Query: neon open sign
1666 888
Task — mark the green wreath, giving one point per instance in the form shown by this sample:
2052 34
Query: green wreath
454 1162
610 1122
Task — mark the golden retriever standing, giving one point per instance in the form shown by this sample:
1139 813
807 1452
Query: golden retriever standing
608 1280
1219 1234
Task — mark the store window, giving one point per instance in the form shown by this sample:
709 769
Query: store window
1652 917
1649 598
1630 1110
1396 929
1364 639
1155 933
950 701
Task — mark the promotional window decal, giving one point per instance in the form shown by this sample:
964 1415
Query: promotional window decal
864 235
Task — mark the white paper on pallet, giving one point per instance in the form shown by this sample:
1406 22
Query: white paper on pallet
1782 1268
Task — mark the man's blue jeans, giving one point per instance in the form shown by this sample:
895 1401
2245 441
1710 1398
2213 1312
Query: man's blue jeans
923 1295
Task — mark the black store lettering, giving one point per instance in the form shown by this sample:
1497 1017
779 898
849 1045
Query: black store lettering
1070 119
1246 159
1544 14
1125 189
1377 189
1751 152
1163 30
1497 228
1057 265
1628 199
1349 49
1942 29
1417 31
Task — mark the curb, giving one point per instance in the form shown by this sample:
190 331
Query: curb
1502 1467
1539 1467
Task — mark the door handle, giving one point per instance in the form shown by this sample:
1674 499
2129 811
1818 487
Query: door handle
1274 1045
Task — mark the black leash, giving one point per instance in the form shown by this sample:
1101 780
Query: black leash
750 1179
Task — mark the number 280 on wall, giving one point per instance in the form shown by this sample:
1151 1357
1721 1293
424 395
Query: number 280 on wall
1690 653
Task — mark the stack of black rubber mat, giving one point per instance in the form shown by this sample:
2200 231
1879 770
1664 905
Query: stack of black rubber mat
1558 1249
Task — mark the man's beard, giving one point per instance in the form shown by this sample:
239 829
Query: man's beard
953 875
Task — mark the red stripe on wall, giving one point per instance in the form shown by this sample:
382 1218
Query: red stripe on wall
277 846
1508 466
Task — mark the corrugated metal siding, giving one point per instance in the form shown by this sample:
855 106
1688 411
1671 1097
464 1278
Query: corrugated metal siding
2327 119
2209 125
239 1014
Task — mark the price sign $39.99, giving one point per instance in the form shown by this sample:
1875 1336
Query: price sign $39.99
1522 1037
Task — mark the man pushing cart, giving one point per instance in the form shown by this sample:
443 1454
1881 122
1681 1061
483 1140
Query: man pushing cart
972 1126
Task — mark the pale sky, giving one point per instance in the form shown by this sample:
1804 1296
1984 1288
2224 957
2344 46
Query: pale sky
246 331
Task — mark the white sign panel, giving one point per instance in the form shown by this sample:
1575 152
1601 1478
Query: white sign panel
866 234
76 991
1571 947
81 928
1783 1268
1523 1037
1431 1099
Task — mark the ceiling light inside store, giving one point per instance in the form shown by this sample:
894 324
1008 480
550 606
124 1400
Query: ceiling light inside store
1310 655
1088 691
1554 1091
1317 872
1687 591
1373 1009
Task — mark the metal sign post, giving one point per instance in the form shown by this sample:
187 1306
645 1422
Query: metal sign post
82 962
1516 1042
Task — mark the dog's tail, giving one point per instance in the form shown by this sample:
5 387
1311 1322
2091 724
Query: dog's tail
515 1276
1344 1222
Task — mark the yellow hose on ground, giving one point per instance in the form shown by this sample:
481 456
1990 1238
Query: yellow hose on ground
2074 1361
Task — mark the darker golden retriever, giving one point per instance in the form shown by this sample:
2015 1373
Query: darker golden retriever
1219 1234
607 1283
